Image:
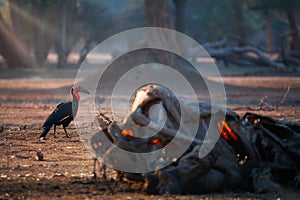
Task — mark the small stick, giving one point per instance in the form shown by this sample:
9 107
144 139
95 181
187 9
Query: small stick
94 172
284 97
263 102
264 105
103 168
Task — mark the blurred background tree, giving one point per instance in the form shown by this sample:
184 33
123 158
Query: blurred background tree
31 30
12 47
279 8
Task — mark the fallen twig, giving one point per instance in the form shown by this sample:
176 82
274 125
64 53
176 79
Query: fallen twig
264 105
284 97
103 169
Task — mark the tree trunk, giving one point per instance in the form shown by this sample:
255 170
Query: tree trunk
239 18
39 45
32 34
11 48
180 15
40 49
269 37
85 50
158 14
295 42
290 43
61 47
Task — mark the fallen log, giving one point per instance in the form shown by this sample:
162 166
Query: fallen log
238 40
246 54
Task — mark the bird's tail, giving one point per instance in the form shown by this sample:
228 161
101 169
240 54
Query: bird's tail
45 131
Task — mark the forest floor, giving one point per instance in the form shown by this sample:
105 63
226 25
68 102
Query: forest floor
28 97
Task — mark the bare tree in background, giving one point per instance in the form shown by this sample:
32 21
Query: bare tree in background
158 14
269 32
290 43
61 42
239 18
12 49
295 35
180 6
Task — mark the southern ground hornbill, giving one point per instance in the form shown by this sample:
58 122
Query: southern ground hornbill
64 112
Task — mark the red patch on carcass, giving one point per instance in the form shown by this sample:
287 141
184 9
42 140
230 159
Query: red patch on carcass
127 132
155 141
226 131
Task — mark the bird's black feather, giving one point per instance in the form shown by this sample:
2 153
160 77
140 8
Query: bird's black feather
62 115
62 110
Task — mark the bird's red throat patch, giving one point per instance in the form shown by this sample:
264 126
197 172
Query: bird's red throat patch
75 92
77 95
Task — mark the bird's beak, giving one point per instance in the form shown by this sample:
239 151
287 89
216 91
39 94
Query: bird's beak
81 89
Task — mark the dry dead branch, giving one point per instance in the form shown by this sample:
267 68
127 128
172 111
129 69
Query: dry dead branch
264 104
246 55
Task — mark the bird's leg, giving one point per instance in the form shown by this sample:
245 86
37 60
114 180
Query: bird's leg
65 132
54 128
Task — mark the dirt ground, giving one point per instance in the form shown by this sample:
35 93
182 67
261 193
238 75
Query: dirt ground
28 97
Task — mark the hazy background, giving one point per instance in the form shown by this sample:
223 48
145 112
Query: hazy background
34 33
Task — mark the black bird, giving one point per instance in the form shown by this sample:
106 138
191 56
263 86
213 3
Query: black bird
64 112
